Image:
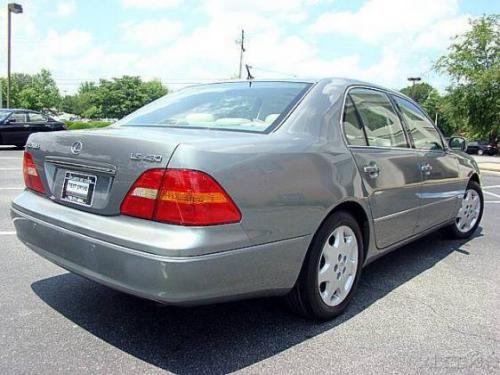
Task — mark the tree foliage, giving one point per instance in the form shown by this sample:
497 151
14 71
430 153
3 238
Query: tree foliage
113 98
38 91
473 64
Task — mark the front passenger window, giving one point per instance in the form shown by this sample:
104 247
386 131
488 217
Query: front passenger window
424 134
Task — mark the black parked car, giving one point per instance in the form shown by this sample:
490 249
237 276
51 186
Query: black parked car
482 148
17 124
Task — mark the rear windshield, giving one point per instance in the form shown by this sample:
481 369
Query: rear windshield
237 106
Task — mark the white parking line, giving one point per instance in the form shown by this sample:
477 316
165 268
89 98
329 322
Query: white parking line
9 158
8 233
11 188
491 201
10 169
492 194
491 187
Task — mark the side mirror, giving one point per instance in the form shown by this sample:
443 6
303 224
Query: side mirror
458 143
11 120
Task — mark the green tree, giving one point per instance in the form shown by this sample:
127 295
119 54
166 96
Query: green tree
38 91
418 92
432 102
473 64
118 97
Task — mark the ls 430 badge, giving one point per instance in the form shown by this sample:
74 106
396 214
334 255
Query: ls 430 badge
152 158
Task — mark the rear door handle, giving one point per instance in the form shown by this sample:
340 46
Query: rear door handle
372 170
426 168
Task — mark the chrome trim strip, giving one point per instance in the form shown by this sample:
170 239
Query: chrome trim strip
85 167
444 194
416 208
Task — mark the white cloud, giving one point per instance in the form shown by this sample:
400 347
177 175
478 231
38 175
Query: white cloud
401 37
150 33
150 4
72 43
438 35
65 8
378 19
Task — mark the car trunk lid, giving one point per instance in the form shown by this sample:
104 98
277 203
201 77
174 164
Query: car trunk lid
92 170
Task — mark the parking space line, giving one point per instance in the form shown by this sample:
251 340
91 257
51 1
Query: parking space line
10 169
9 158
491 187
492 194
491 201
11 188
7 233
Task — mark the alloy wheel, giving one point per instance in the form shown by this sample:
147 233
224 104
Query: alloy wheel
469 212
338 265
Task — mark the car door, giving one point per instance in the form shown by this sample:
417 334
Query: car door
386 161
441 190
14 130
37 122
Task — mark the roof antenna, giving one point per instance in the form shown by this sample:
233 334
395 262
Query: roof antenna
249 75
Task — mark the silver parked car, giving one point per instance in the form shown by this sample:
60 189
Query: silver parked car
241 189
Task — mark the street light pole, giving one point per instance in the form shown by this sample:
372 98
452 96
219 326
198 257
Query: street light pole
11 8
413 80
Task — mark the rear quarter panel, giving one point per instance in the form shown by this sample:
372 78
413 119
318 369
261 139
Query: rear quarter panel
284 185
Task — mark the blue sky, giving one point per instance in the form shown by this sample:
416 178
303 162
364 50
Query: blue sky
179 42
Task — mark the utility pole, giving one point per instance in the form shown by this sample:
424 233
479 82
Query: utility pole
241 42
11 8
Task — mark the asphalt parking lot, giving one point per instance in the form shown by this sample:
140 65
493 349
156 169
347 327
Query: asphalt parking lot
430 307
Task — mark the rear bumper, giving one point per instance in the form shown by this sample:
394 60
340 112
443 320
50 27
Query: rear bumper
268 269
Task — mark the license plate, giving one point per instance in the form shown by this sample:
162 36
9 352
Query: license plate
78 188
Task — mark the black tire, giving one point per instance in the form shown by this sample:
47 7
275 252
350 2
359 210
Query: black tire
305 298
452 231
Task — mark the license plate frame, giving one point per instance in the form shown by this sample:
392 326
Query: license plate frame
79 188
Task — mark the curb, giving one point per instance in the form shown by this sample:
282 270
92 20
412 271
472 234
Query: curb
491 167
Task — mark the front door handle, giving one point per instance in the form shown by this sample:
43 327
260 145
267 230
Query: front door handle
372 170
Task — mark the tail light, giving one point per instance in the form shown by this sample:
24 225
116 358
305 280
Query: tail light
31 178
180 196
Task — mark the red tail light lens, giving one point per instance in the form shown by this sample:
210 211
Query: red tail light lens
31 178
180 196
141 199
194 198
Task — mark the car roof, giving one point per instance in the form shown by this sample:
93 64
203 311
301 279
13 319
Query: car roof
339 81
14 110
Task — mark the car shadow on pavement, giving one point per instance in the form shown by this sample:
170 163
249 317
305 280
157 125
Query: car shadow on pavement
225 337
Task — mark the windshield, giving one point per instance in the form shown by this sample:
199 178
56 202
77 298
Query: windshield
238 106
4 114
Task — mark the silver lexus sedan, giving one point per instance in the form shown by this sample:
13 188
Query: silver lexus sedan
251 188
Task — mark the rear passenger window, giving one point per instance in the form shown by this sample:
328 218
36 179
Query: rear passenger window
424 134
382 125
19 117
352 126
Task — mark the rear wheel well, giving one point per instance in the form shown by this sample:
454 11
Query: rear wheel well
358 212
475 177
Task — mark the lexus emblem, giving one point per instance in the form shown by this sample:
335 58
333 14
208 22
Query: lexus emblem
76 147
